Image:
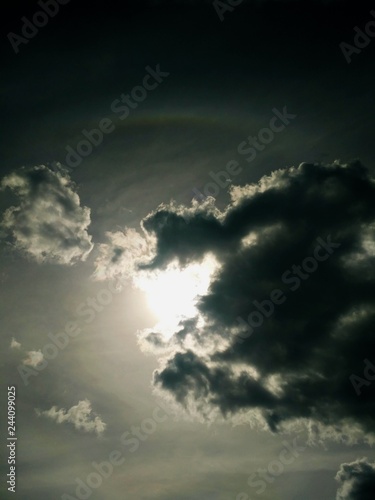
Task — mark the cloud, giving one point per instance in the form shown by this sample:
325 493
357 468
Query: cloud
48 224
357 480
34 358
120 257
81 416
14 344
305 237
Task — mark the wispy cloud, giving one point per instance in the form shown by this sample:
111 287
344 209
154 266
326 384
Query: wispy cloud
80 415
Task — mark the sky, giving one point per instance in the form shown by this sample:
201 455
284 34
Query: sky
187 250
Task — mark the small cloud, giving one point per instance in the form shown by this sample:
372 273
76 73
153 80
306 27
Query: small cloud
81 416
357 480
34 358
14 344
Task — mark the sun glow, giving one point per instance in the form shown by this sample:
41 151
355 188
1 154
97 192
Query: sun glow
173 294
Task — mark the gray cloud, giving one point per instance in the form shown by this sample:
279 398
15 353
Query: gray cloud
296 365
48 224
356 480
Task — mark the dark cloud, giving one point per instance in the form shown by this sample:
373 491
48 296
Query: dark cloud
48 224
357 480
296 364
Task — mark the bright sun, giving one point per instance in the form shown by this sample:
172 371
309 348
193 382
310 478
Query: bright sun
172 294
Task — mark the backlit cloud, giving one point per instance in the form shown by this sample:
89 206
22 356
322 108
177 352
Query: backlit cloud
48 224
289 315
357 480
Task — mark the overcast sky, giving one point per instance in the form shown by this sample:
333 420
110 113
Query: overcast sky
187 241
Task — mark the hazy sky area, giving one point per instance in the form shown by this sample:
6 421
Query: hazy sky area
187 249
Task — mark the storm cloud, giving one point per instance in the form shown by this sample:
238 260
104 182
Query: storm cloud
290 314
357 480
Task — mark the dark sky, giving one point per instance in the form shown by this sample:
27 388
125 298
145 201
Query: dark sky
229 188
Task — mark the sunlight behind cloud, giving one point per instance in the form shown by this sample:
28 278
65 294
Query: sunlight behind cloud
172 294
